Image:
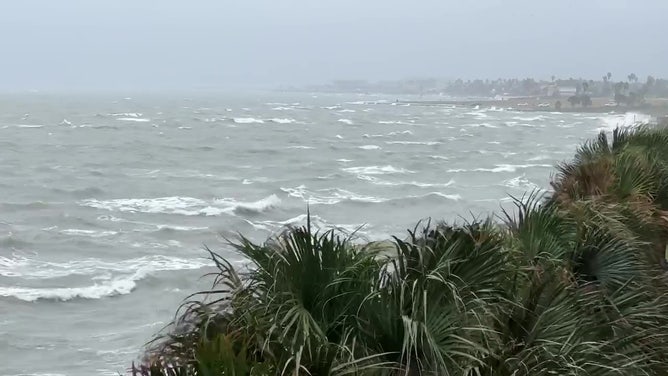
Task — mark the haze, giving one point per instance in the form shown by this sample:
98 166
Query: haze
119 44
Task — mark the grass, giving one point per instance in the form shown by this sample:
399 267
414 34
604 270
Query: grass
571 283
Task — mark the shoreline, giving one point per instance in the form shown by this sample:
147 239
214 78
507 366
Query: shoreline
655 107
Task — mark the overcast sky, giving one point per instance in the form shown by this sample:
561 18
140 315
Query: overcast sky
100 44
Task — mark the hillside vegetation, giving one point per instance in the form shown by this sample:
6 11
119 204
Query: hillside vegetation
569 283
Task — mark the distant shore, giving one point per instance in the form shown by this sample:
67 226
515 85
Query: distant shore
656 107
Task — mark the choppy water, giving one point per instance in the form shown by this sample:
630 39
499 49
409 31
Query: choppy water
105 201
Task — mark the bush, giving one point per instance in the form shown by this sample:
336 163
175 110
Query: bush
569 284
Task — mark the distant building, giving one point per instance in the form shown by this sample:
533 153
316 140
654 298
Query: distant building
567 91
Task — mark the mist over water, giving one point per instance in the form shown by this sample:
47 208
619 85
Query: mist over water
108 200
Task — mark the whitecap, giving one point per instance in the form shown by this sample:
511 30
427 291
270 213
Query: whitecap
377 170
133 271
138 120
502 168
407 132
253 207
282 120
414 183
520 182
427 143
330 196
345 121
629 119
169 205
247 120
369 147
299 147
88 233
532 118
127 114
19 266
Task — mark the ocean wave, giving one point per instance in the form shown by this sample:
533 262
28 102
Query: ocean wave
532 118
418 184
254 207
346 110
119 286
300 147
413 200
628 119
316 221
369 147
166 205
18 206
80 192
20 266
283 120
184 205
501 168
366 135
139 120
390 122
87 233
427 143
329 196
113 286
396 133
127 114
541 157
247 120
28 126
377 170
282 108
345 121
520 182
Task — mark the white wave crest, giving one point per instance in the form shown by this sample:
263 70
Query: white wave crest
418 184
377 170
330 196
283 120
127 114
138 120
167 205
128 272
502 168
427 143
184 205
247 120
254 207
520 182
345 121
369 147
88 233
628 119
408 132
300 147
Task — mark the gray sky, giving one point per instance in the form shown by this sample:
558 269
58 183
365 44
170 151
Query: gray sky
110 44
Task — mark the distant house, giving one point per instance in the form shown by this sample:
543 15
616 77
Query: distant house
550 90
567 91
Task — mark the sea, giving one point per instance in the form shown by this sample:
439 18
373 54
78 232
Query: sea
107 201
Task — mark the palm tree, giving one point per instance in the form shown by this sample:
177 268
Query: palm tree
568 284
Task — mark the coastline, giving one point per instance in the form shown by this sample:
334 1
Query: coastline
655 107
